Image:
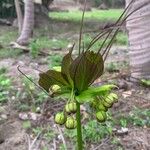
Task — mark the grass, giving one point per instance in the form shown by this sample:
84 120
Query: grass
94 15
93 132
5 86
138 117
7 35
43 42
47 43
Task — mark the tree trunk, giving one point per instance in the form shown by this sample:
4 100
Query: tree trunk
139 39
28 23
19 15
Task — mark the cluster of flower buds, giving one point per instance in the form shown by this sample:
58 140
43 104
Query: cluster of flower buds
67 117
101 106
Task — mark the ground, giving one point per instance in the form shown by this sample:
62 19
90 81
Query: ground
26 113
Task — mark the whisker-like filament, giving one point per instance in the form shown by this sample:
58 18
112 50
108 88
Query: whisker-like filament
81 28
96 38
18 67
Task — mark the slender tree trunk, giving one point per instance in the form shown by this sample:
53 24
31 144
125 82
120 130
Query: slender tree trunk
19 15
28 23
139 39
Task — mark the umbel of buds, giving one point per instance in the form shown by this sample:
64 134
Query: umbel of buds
101 105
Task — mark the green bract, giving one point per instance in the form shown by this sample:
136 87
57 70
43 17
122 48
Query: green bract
90 94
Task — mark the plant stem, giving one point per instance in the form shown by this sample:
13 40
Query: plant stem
79 131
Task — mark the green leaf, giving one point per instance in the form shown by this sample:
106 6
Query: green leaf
88 95
51 77
85 69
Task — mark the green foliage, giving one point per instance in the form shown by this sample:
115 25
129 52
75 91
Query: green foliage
121 39
26 125
34 49
99 15
54 60
47 132
5 86
49 135
62 147
3 70
123 122
145 82
88 95
29 97
92 132
8 35
138 117
112 67
116 66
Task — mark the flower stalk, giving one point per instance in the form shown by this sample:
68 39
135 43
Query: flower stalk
79 128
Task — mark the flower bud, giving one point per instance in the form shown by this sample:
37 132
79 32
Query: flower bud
55 88
106 104
114 96
71 123
101 116
101 107
71 107
60 118
109 100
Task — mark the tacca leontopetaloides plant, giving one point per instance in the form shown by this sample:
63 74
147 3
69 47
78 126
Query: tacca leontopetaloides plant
74 79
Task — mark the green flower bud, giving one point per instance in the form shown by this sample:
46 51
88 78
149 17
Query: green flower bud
114 96
71 123
71 107
106 104
109 100
60 118
55 88
102 107
101 116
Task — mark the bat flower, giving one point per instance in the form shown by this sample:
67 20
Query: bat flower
76 74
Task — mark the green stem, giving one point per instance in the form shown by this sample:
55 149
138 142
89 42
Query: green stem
79 131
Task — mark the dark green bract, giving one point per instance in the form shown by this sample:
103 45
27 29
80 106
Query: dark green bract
77 74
